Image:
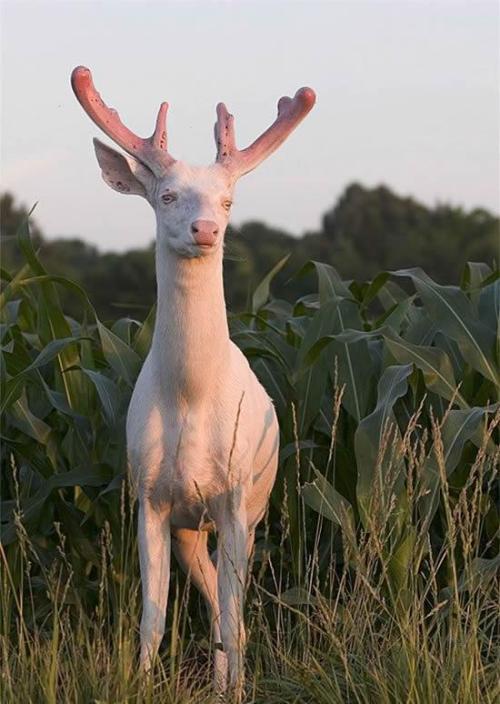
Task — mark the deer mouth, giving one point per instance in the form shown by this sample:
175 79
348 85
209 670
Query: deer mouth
205 245
205 250
205 239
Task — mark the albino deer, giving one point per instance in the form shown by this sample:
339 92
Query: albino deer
202 434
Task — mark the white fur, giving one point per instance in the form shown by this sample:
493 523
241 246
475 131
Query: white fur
202 433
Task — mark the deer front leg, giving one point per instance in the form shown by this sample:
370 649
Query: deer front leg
154 559
191 550
231 575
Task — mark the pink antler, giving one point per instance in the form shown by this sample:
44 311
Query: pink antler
151 151
291 111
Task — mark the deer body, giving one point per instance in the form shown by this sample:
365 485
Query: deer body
199 422
202 434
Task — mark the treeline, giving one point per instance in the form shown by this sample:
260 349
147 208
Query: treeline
366 231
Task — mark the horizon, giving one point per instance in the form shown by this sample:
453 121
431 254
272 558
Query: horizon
407 98
296 235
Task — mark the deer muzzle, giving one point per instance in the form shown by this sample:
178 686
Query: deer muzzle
205 232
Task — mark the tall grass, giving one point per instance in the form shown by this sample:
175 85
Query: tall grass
338 636
374 577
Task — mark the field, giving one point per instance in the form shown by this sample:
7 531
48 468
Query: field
375 575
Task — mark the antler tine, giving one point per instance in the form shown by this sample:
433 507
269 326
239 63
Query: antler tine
159 138
224 134
291 111
151 151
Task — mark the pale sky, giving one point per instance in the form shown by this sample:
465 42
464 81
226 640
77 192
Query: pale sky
407 96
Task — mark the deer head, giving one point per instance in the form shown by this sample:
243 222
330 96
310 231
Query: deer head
192 204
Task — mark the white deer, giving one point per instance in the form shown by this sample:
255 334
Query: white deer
202 434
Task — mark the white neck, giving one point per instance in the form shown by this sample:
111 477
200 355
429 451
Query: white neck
191 338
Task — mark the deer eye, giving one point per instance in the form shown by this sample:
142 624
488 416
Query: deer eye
168 198
226 204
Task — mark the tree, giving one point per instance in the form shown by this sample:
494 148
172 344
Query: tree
373 229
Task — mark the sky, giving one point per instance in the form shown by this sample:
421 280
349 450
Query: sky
407 95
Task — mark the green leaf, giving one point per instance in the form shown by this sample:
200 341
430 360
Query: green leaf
26 246
4 274
326 500
144 336
373 290
457 428
311 379
11 391
399 561
255 342
434 364
108 393
12 311
489 311
274 381
11 289
455 316
122 328
481 571
329 282
261 293
33 506
51 350
122 358
390 294
52 325
474 274
43 279
57 399
395 316
97 475
291 448
393 384
26 421
354 362
421 329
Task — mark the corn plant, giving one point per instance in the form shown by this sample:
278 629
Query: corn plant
375 571
391 368
387 397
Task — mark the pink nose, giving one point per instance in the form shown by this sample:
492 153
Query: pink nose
204 231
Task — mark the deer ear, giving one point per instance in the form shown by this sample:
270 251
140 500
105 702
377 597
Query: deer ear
123 173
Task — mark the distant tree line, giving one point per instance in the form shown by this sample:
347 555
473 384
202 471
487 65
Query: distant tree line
366 231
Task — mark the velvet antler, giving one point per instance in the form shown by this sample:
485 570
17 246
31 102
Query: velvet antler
291 111
151 151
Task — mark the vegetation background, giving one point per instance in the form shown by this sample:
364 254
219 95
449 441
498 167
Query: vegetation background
375 576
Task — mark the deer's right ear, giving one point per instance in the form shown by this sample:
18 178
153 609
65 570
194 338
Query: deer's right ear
123 173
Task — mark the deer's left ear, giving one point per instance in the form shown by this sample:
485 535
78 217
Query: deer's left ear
123 173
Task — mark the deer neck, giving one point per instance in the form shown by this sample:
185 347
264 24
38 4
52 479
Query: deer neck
191 344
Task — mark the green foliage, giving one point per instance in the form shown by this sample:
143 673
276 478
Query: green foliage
429 371
374 229
388 405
